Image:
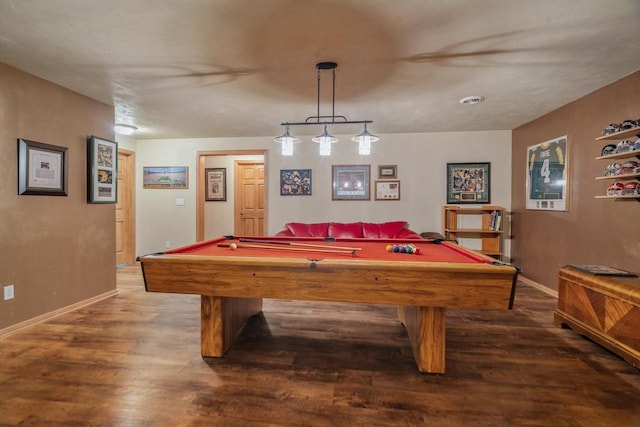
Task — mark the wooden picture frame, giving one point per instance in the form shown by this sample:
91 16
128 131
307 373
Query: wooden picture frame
102 170
468 183
387 171
387 190
165 177
42 169
215 184
547 181
295 182
351 182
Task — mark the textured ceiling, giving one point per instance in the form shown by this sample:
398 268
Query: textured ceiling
215 68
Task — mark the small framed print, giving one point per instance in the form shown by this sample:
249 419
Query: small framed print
42 169
468 182
387 171
351 182
102 170
215 184
388 190
165 177
295 182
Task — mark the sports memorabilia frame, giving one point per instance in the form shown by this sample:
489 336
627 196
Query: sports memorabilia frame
295 182
102 170
165 177
547 175
215 184
468 183
351 182
42 169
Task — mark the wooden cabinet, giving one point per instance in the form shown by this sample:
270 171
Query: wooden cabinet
629 134
484 224
604 308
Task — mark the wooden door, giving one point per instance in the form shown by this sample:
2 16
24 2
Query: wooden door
249 198
125 218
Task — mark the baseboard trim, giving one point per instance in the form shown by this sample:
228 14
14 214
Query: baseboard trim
539 286
52 314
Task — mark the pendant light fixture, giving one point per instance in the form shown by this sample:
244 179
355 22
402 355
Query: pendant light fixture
325 139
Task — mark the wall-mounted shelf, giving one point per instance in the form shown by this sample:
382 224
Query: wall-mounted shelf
621 135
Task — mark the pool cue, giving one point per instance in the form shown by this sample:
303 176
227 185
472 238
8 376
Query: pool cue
286 248
306 245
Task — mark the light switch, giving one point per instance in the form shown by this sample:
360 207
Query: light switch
179 202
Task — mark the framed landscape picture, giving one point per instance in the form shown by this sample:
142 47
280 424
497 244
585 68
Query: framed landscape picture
468 183
547 184
165 177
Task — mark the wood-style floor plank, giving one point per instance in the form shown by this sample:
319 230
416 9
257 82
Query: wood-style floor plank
134 360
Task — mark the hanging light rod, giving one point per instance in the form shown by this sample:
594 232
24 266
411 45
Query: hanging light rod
364 139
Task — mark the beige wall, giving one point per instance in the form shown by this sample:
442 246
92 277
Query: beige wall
421 160
593 231
56 251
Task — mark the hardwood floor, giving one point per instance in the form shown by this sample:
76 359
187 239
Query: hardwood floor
134 360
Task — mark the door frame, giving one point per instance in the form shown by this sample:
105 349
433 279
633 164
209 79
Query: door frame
201 157
131 250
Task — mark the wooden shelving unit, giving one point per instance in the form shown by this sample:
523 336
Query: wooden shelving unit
490 231
629 133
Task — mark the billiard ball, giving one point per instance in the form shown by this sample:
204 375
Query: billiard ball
233 246
389 248
396 248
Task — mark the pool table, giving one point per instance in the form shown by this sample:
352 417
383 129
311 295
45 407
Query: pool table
233 282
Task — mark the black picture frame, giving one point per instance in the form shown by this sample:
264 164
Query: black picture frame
215 184
296 182
351 182
42 169
102 170
468 183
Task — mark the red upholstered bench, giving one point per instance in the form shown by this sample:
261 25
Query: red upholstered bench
366 230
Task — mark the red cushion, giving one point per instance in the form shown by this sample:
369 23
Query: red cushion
385 230
300 229
348 230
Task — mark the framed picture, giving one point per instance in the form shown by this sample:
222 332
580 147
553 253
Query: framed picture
165 177
102 170
42 169
295 182
468 182
387 171
388 190
215 184
547 184
351 182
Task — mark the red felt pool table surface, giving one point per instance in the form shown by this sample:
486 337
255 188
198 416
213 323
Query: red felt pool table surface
232 283
368 249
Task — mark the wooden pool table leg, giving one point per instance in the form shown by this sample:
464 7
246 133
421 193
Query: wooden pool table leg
426 327
221 318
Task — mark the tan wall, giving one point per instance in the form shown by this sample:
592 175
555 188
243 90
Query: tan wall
56 251
593 231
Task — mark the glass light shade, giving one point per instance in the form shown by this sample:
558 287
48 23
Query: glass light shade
287 142
364 141
124 129
325 140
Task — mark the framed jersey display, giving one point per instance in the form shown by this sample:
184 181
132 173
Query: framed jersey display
547 177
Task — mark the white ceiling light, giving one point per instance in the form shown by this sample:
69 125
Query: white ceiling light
325 140
124 129
471 100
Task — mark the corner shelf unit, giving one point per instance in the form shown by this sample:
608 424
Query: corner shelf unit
618 136
490 232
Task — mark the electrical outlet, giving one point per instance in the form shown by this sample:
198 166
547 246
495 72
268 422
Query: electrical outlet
8 292
167 244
